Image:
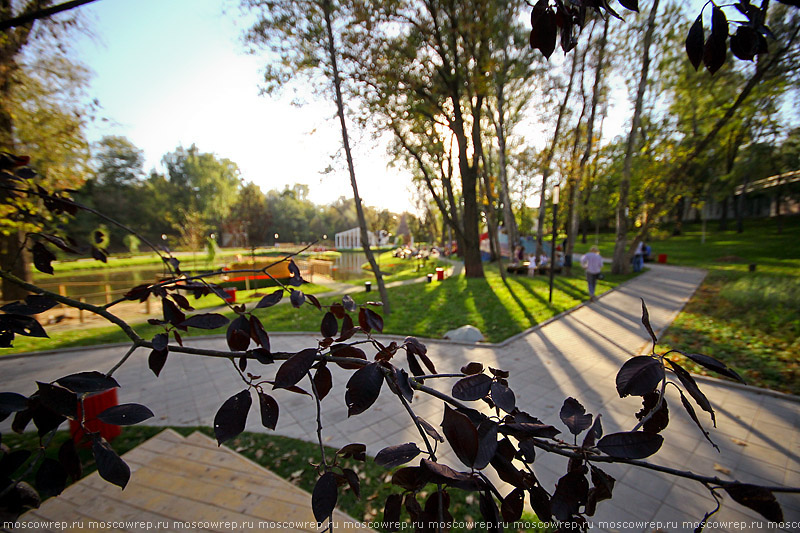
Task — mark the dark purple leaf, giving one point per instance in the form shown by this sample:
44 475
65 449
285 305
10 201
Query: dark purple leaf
646 322
397 455
632 5
540 503
472 388
513 505
22 325
429 429
157 360
348 329
58 399
51 478
487 444
693 389
297 298
472 368
242 364
231 418
363 389
694 42
269 410
126 414
400 380
293 369
160 341
206 321
11 402
313 299
602 489
34 304
42 257
658 420
374 320
439 473
462 435
172 314
263 356
713 365
758 499
543 29
525 430
716 46
630 444
639 375
259 334
68 457
349 304
745 43
44 419
690 410
11 462
323 499
489 511
572 491
354 450
323 381
409 478
238 334
352 481
329 326
270 299
573 416
438 505
182 302
351 352
391 512
109 465
503 397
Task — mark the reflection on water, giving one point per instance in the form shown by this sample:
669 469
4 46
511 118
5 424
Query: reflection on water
95 283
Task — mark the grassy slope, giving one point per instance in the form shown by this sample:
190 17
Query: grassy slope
499 309
750 320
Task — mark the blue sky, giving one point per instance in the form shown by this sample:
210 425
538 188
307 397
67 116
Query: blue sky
174 72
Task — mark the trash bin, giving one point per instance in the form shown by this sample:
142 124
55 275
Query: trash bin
662 258
430 278
439 274
95 404
368 286
231 296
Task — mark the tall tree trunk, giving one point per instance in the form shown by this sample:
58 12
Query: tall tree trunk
15 260
362 222
621 262
546 171
575 207
723 219
508 213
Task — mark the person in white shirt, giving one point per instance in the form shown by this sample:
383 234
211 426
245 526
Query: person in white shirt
593 264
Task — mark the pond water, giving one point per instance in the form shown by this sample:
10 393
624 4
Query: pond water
92 284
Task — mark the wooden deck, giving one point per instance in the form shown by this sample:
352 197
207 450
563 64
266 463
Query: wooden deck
183 484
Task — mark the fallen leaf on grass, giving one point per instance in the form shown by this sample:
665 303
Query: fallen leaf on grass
738 442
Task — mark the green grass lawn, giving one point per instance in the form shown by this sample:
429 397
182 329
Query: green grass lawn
499 309
749 320
289 459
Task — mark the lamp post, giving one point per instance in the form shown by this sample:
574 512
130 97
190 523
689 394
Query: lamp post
553 243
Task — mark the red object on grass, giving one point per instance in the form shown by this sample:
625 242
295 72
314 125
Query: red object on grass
94 405
662 258
231 299
439 274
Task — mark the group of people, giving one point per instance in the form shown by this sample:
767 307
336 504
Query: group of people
538 260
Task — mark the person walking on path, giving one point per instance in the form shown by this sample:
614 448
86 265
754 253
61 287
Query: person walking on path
592 262
638 257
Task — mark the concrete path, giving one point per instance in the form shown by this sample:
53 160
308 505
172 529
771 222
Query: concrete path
236 495
577 355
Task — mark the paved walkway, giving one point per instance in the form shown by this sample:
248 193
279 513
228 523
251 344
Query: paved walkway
165 493
577 355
